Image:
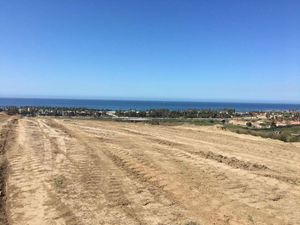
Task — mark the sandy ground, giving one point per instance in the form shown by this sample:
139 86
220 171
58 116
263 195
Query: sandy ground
78 172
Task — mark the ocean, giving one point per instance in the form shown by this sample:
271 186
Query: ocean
144 105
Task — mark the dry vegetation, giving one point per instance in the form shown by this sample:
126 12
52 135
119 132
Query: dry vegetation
78 172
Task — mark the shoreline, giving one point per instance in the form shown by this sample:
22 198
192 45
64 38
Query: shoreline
147 105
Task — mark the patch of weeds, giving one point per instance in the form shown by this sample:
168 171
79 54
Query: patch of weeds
191 223
287 133
250 218
59 181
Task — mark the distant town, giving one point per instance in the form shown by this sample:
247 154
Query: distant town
257 119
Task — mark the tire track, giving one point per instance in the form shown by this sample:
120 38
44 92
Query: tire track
26 179
138 202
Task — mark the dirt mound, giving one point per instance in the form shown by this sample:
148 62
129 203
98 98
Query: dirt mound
3 219
233 161
5 136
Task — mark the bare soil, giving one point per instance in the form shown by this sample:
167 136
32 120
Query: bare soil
7 125
81 172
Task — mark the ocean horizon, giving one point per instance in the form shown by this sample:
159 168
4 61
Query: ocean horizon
146 104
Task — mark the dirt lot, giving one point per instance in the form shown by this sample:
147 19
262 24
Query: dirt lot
78 172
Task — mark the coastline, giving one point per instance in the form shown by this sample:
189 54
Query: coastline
146 105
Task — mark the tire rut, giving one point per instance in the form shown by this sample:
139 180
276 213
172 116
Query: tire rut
115 184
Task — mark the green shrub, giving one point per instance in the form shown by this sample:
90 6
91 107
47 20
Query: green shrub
59 181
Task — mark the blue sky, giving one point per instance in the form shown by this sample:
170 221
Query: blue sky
231 50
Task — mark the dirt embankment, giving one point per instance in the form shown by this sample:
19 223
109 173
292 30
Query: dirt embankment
6 136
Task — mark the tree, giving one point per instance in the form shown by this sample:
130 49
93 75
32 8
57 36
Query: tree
249 124
273 124
12 110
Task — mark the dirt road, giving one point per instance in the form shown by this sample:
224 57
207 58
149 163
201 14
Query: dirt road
78 172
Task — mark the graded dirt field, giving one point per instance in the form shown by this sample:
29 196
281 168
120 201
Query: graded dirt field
85 172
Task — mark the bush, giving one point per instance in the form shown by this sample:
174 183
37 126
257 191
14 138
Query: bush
283 137
59 181
249 124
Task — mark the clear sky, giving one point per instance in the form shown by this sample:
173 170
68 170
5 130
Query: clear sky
233 50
